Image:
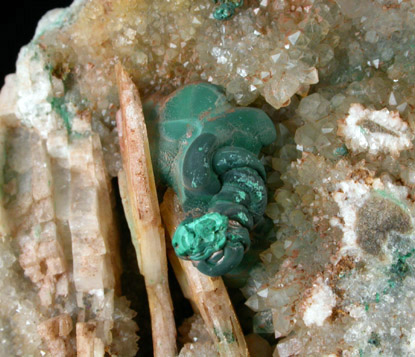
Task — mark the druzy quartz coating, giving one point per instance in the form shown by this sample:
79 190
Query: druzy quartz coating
207 151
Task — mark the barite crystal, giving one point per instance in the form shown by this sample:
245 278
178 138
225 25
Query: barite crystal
57 203
55 332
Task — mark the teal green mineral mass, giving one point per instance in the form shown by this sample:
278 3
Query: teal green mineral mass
207 151
199 238
226 9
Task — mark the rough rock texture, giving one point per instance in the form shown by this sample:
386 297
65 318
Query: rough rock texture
340 276
59 246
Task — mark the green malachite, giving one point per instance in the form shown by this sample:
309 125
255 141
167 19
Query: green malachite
226 9
207 151
201 237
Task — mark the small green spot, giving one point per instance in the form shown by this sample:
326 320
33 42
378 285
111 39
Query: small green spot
77 135
229 336
377 298
49 69
59 106
391 286
226 9
401 268
361 353
390 197
254 186
367 307
341 151
362 130
37 231
374 339
242 216
240 196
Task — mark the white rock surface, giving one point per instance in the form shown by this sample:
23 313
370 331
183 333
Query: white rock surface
375 131
319 305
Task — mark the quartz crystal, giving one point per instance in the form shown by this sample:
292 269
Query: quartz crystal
337 77
195 338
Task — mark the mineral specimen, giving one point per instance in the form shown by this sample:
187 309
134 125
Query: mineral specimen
207 150
338 80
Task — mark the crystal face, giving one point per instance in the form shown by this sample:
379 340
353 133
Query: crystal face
337 78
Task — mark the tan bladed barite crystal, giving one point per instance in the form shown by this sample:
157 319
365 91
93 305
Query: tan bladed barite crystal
139 195
58 234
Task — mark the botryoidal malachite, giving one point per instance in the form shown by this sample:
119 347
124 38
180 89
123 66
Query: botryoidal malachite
207 151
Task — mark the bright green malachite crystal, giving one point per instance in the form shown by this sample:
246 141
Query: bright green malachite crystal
199 238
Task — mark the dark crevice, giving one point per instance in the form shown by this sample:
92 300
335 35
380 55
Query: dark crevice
132 282
133 285
182 307
18 29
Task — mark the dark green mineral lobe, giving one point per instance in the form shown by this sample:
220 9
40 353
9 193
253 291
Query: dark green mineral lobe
207 151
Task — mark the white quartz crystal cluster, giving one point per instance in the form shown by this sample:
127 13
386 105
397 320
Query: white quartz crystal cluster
270 49
337 78
340 275
339 278
195 338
